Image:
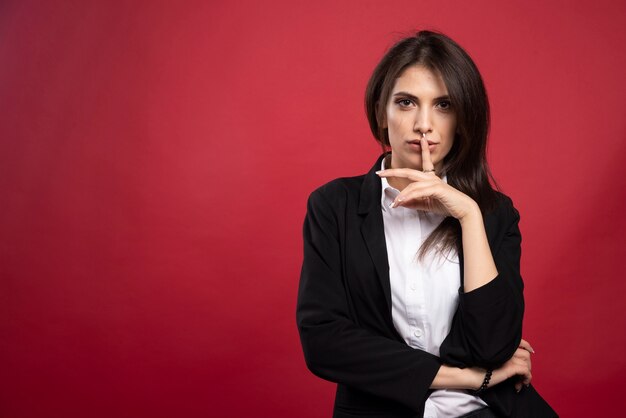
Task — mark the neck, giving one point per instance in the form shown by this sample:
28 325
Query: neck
398 183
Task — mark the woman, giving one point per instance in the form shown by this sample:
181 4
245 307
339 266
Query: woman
410 295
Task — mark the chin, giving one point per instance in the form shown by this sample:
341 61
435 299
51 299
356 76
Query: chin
415 165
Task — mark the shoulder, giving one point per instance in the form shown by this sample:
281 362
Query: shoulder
336 198
333 203
502 219
504 207
346 197
339 189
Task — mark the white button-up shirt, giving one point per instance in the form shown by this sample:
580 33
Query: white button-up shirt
424 293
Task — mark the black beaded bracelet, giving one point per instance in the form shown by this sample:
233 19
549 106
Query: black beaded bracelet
485 382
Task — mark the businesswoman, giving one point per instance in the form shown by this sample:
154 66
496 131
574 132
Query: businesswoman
410 294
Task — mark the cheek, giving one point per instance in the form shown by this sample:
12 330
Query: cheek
453 126
450 130
395 121
449 122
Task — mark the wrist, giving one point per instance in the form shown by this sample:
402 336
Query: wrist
456 378
477 377
485 383
472 214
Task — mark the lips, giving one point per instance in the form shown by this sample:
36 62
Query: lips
415 146
417 142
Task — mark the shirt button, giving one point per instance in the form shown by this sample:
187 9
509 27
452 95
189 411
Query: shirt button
417 333
412 286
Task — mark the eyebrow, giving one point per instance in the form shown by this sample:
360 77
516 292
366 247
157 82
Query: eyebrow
410 96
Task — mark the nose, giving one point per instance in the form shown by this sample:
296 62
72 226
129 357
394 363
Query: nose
423 120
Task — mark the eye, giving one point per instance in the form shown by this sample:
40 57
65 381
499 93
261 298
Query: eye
404 102
444 105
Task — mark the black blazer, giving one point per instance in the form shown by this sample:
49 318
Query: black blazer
344 310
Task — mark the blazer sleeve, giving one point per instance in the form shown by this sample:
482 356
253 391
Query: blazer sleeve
487 327
335 347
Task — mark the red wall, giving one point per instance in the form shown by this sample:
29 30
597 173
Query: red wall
156 157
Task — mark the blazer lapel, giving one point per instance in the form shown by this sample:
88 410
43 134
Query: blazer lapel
373 229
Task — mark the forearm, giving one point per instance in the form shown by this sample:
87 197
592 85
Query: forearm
479 267
455 378
488 326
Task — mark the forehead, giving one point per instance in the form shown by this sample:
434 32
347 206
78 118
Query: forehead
420 79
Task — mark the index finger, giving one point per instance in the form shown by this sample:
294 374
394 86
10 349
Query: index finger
427 162
406 173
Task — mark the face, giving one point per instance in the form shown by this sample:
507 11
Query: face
419 104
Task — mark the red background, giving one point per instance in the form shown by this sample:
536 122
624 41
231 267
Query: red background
156 157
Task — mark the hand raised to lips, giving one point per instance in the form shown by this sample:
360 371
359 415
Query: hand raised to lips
427 192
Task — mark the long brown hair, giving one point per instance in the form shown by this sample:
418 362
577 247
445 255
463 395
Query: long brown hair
466 163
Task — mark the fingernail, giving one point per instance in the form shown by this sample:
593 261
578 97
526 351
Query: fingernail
379 171
391 204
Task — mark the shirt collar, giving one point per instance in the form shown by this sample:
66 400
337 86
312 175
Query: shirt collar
389 193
